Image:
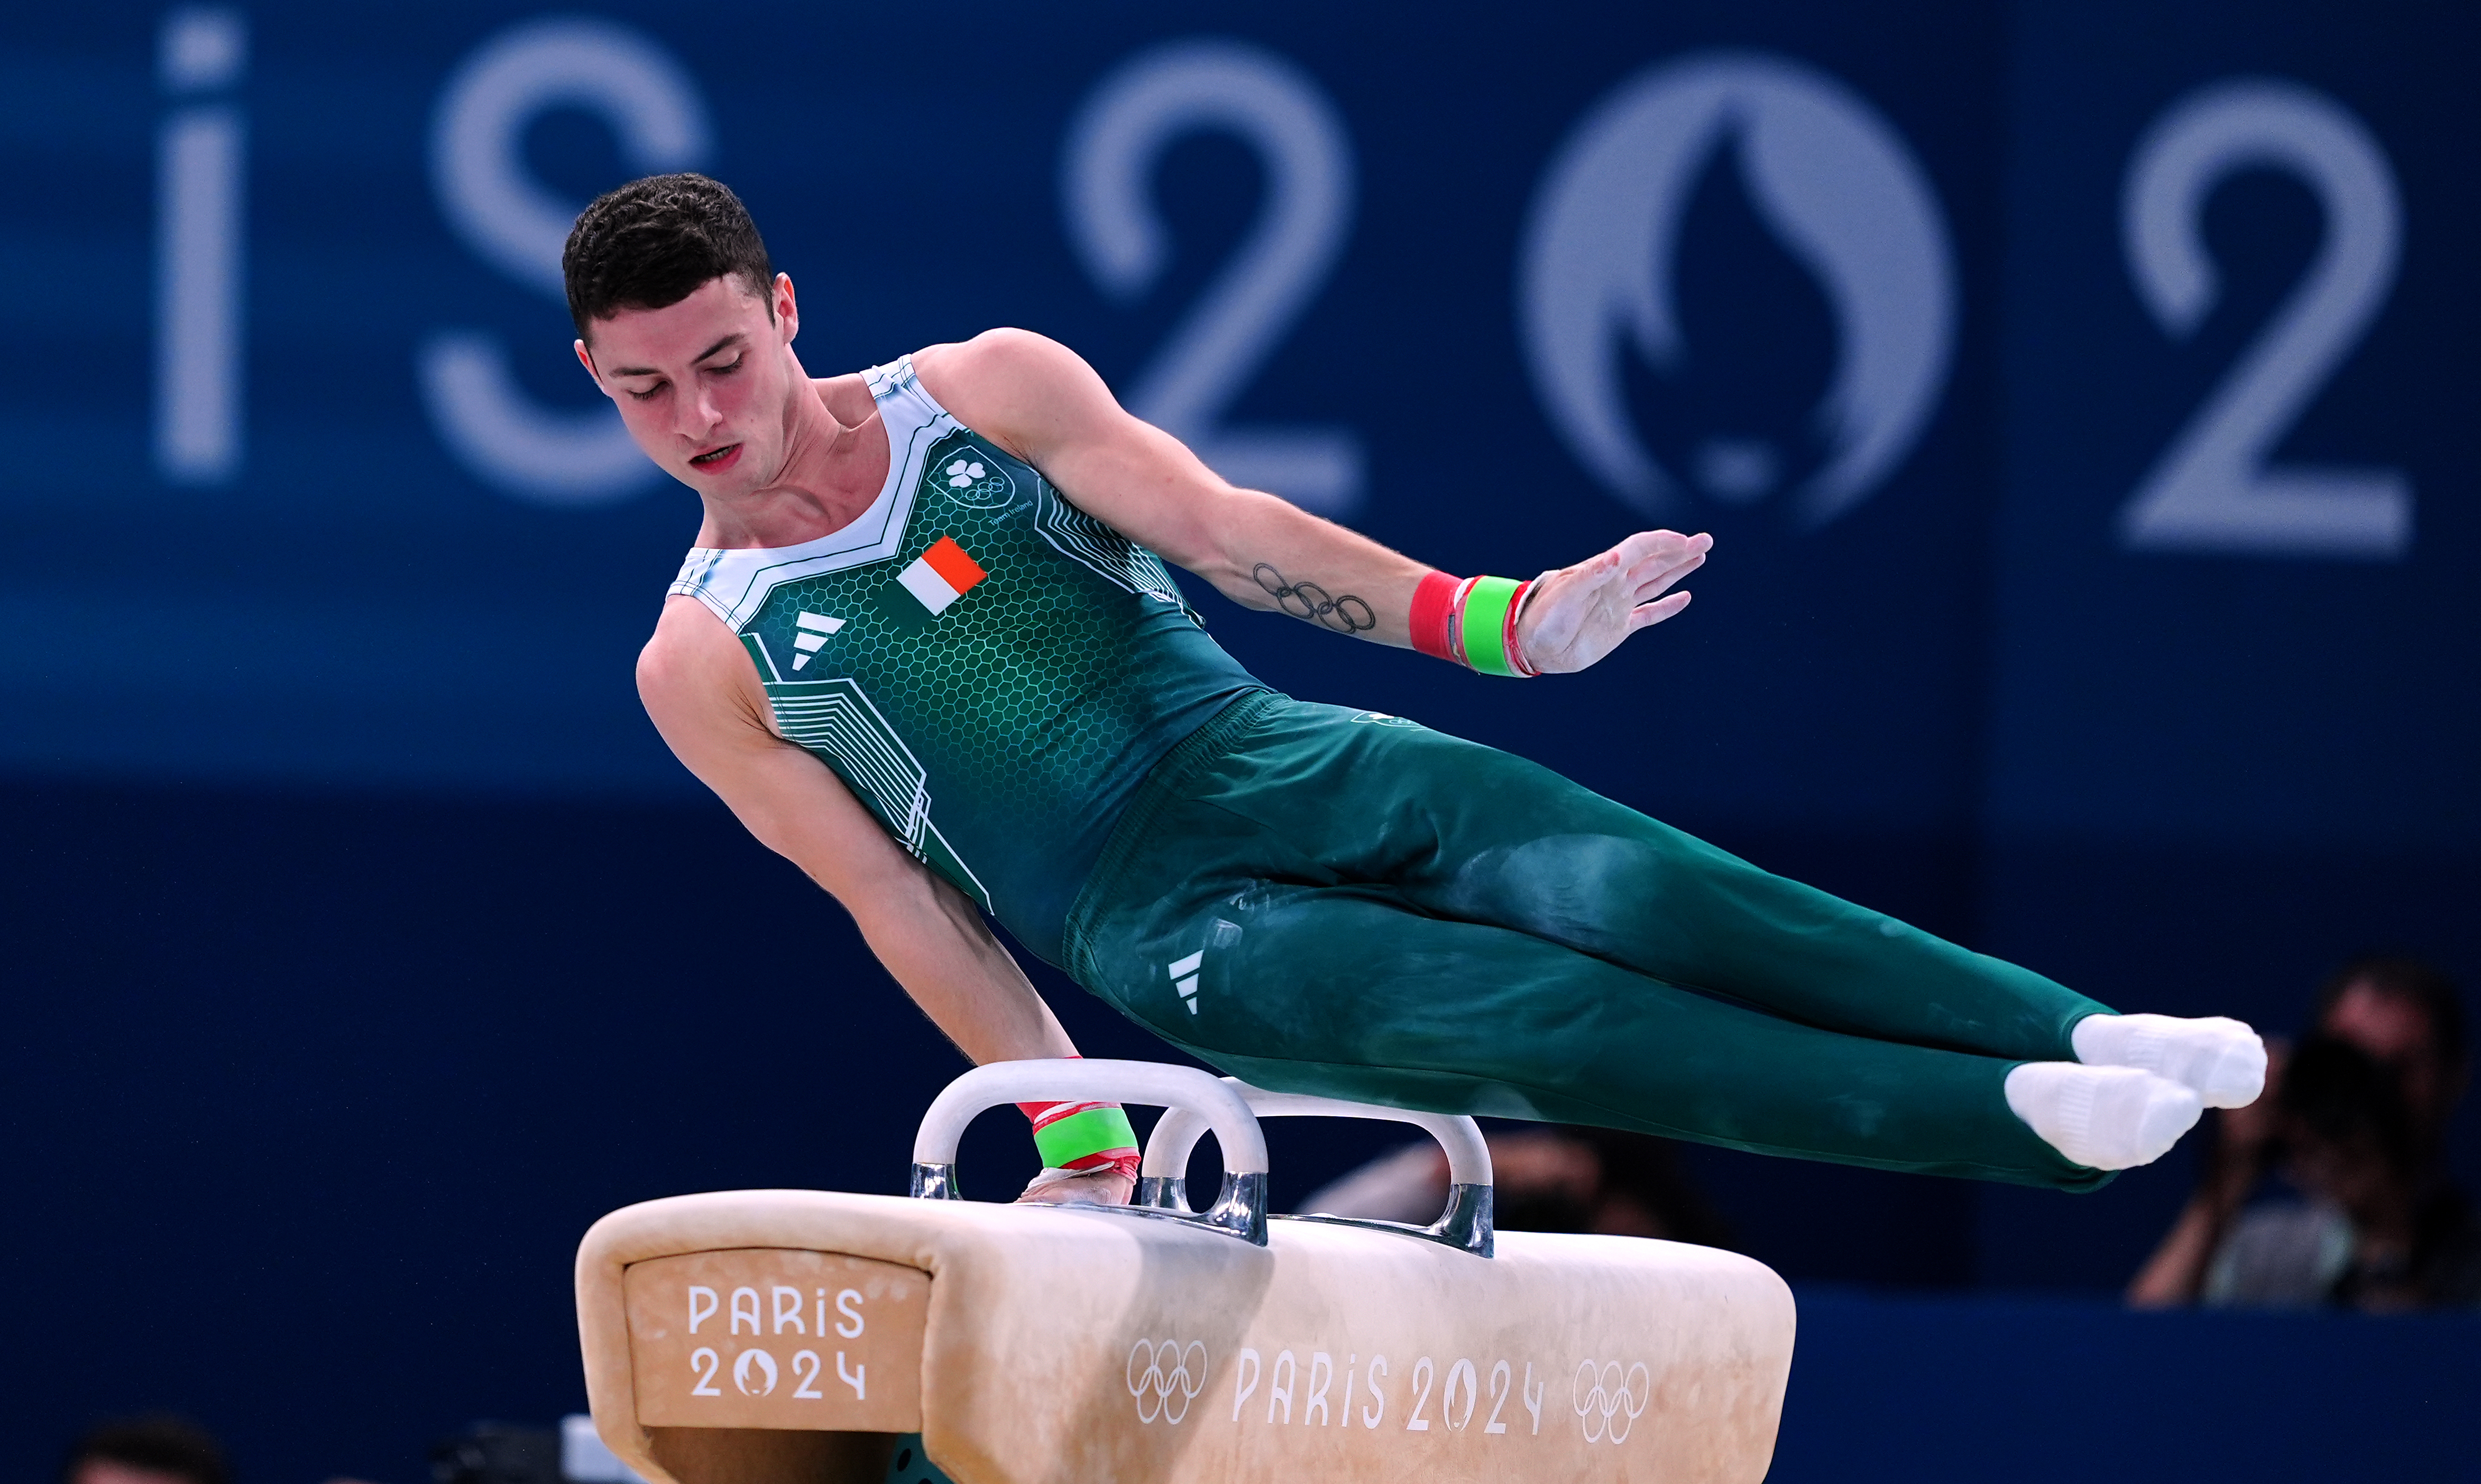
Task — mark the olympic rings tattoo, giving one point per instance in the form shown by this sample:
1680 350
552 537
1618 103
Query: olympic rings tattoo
1614 1402
1346 614
1162 1393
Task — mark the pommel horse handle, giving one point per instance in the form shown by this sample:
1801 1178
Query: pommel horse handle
1465 1225
1205 1100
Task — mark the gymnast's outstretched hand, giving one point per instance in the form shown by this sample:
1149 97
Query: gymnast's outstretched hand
1106 1186
1578 614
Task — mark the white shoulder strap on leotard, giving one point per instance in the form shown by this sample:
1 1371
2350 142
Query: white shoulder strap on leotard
734 581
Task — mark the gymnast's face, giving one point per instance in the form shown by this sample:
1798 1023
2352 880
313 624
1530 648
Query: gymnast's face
705 386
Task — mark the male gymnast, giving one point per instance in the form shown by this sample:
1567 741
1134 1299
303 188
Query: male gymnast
927 648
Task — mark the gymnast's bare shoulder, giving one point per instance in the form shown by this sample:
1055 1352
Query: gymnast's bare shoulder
703 696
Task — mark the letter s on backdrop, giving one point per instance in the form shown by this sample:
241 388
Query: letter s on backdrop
509 221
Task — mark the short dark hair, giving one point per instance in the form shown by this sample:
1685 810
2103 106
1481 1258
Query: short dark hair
654 242
2410 979
160 1445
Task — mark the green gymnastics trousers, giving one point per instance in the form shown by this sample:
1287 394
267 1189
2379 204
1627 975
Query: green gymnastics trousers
1340 903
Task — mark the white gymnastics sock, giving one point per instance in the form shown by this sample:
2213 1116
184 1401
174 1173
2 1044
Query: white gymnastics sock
2220 1057
2105 1118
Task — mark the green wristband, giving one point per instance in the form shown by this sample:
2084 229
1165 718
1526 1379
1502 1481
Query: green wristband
1485 624
1093 1131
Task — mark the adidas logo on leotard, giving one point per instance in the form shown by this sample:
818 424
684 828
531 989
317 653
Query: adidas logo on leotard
1183 975
815 629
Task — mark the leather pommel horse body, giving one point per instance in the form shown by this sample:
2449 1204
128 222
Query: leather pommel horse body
789 1337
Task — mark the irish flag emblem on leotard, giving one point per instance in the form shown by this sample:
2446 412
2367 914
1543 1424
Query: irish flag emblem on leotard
928 584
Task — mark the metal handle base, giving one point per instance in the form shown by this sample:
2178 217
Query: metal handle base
1466 1224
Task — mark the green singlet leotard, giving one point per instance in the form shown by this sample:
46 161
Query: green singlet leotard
1323 900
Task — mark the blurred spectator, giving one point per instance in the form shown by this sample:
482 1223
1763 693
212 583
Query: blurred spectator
146 1450
1552 1178
2355 1123
497 1453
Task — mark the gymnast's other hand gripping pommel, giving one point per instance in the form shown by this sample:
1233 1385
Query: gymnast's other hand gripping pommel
1088 1151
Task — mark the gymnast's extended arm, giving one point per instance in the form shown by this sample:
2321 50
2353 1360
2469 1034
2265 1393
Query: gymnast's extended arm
704 697
1051 408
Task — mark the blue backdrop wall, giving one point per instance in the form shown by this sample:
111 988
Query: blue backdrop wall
2079 395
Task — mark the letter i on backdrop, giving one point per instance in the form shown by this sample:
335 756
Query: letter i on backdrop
203 54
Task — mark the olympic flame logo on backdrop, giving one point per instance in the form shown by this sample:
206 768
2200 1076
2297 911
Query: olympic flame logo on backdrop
1834 183
1165 1377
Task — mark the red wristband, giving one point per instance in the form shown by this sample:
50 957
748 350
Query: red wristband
1509 643
1434 606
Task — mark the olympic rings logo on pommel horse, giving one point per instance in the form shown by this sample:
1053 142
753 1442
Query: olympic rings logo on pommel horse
1603 1410
1154 1388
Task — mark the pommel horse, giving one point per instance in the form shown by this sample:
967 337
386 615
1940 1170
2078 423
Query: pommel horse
793 1337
